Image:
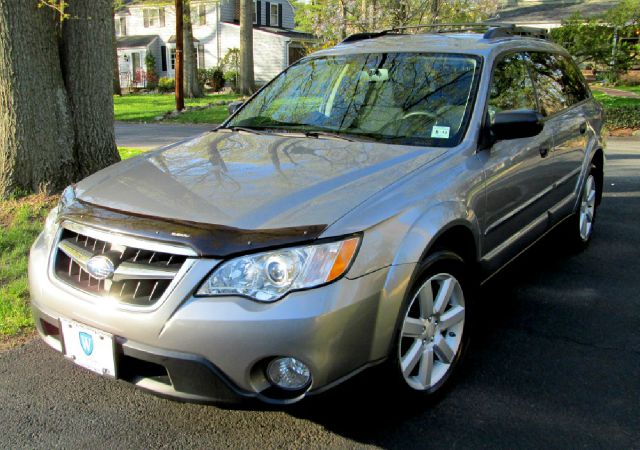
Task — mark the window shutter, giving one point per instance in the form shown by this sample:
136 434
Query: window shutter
267 16
161 17
236 11
163 57
145 15
203 14
280 15
259 12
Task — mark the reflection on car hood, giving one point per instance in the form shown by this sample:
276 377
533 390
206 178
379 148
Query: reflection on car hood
253 181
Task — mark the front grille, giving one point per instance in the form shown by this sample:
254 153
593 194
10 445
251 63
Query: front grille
140 276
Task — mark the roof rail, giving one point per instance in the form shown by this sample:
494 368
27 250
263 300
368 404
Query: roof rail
491 30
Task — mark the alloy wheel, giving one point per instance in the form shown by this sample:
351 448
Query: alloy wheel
431 332
587 208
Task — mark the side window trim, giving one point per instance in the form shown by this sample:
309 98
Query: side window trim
528 64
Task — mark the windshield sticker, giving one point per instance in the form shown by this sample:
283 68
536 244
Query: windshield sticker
439 132
374 75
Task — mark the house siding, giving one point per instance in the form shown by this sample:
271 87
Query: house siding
270 50
228 12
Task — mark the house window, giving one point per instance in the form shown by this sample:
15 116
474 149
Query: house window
200 50
121 26
163 52
273 14
173 58
153 17
199 15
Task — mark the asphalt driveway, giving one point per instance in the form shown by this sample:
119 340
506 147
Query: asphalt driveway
555 363
147 136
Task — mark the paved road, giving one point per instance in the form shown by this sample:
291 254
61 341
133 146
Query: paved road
151 135
555 363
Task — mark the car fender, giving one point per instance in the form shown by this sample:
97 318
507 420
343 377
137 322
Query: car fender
413 248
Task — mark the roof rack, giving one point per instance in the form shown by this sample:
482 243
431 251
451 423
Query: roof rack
491 30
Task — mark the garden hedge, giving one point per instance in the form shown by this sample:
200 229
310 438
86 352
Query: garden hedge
622 117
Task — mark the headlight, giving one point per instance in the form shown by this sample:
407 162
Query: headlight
270 276
68 197
50 226
51 223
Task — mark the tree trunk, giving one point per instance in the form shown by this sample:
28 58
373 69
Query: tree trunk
86 64
56 103
36 133
343 19
246 47
117 90
192 88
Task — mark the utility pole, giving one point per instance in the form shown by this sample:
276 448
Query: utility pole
179 58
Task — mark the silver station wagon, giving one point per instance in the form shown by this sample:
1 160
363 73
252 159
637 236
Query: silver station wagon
340 219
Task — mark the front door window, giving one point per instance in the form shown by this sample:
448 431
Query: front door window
512 87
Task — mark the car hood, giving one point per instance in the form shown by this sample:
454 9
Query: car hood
251 181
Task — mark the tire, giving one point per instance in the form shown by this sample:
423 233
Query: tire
581 225
433 328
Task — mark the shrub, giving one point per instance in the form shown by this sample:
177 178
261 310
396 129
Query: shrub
167 84
203 76
211 77
152 76
231 78
622 117
217 80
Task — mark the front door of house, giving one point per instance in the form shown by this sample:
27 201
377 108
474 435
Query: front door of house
135 63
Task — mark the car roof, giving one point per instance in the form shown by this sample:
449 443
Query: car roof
461 42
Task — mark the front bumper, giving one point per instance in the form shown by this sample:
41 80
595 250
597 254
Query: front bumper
215 349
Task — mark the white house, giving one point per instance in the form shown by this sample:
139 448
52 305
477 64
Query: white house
144 26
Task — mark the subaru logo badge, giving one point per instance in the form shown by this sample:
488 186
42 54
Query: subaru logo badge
100 267
86 342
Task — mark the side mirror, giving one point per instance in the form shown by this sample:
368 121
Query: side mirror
233 107
515 124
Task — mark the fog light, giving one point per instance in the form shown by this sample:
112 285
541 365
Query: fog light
288 373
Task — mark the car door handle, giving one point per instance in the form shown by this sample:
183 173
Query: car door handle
583 128
544 151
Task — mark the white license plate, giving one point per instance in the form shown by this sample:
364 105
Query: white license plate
89 348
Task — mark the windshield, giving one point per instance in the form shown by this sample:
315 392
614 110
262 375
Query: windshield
403 98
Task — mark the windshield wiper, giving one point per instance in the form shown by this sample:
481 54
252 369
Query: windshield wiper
247 129
319 133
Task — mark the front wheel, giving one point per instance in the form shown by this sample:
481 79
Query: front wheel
433 332
580 229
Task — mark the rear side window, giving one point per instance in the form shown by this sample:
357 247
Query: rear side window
558 82
573 81
512 87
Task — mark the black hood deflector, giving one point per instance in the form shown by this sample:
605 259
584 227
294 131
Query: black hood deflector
206 240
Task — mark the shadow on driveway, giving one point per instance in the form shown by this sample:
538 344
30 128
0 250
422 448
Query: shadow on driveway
554 362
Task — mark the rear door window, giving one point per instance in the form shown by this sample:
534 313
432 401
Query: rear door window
574 85
558 81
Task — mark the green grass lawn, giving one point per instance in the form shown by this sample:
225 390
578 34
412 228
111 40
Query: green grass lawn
20 222
609 101
145 107
127 152
635 89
